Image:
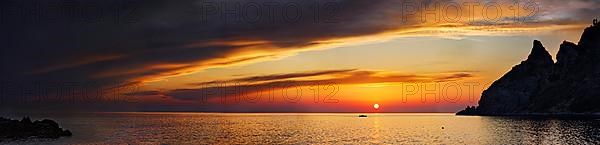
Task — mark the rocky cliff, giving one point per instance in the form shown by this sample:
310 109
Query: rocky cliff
538 85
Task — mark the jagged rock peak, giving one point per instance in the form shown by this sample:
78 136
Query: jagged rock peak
567 53
539 55
567 43
590 35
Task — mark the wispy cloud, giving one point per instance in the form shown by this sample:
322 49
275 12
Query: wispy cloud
256 84
276 77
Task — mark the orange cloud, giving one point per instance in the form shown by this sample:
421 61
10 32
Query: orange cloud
256 84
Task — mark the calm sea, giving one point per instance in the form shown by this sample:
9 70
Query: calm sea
317 128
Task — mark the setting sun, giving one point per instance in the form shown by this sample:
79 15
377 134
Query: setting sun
376 106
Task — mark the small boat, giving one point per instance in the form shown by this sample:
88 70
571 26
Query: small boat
362 115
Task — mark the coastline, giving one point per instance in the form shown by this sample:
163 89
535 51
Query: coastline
542 115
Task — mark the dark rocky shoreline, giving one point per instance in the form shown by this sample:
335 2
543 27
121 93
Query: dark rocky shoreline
538 115
14 129
538 86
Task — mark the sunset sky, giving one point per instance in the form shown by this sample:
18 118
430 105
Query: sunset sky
219 55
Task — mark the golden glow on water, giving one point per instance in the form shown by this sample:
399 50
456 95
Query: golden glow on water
319 128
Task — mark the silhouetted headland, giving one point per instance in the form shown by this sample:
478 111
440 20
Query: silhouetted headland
539 86
23 129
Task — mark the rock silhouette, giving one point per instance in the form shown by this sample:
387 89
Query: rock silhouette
538 85
15 129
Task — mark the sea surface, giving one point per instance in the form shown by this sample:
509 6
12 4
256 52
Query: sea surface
315 128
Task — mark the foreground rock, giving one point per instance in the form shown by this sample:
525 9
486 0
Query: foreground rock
538 85
15 129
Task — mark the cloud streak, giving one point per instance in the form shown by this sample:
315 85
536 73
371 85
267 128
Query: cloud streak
257 84
275 77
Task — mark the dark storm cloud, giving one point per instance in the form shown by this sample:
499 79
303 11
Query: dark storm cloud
116 42
77 40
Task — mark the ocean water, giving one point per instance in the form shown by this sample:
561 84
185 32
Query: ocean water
316 128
